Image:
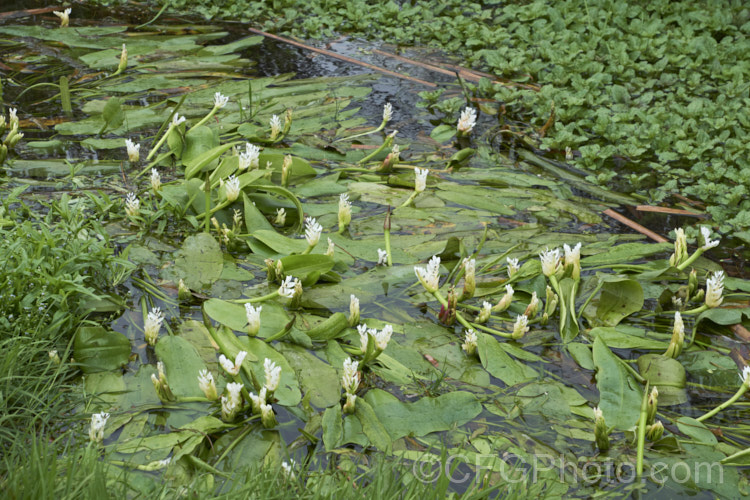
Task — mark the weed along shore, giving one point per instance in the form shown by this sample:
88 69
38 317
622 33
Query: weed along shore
416 250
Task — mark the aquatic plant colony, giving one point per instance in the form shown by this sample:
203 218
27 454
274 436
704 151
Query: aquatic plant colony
207 271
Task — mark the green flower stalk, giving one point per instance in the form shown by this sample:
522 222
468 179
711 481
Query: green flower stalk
420 183
387 115
390 161
470 342
219 102
745 378
345 212
207 385
177 120
601 433
678 338
708 243
386 144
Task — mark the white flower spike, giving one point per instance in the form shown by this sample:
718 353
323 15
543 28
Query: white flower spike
220 100
98 421
382 257
152 325
232 188
207 385
387 112
429 276
273 375
132 205
513 267
287 287
250 158
233 368
550 261
420 179
714 289
467 121
470 342
64 17
253 319
133 151
350 379
275 126
312 231
708 243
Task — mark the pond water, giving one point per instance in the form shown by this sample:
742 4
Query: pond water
525 402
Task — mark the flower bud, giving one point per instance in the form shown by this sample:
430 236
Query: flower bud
485 312
253 319
353 310
469 278
345 211
692 284
123 59
680 248
267 416
651 406
505 301
286 170
54 357
678 338
655 431
207 385
521 327
533 308
470 342
601 433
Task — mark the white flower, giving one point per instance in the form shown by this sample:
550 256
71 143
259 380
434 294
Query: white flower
220 100
470 342
207 385
383 337
714 289
745 376
387 112
152 325
64 17
345 210
520 327
331 248
382 257
485 313
267 417
280 217
533 306
353 310
288 468
550 261
513 267
467 120
364 337
469 277
573 259
176 120
54 357
256 401
506 300
232 188
429 276
350 379
235 393
132 205
155 180
707 242
273 375
228 408
98 421
253 319
250 158
287 287
312 231
275 126
133 151
598 415
420 179
233 368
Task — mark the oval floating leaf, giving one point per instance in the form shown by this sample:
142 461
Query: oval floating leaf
97 349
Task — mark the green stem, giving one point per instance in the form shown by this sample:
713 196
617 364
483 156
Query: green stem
386 143
641 434
207 193
691 259
256 299
490 330
697 310
380 127
585 304
409 200
160 143
207 117
632 371
387 237
212 211
742 390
